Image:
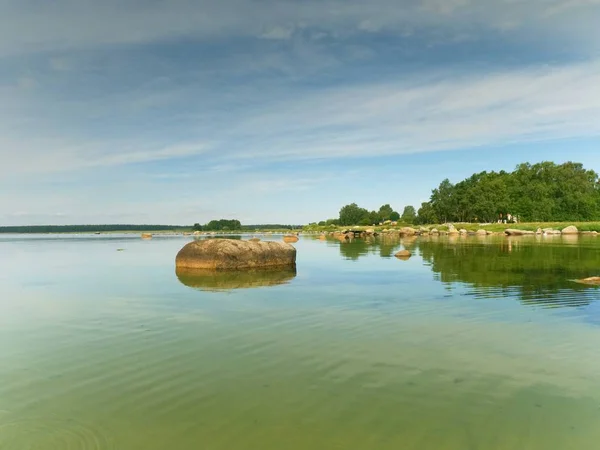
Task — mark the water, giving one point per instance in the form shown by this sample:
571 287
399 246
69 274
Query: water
473 343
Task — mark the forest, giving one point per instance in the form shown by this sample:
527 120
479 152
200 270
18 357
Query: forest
539 192
235 225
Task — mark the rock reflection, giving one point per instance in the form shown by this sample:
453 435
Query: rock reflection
212 280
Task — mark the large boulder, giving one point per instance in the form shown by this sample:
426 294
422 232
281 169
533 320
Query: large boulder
235 254
481 233
570 230
290 238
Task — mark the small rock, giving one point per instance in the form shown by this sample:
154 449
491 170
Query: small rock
403 254
481 233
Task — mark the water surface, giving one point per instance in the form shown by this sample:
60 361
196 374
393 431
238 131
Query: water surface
473 343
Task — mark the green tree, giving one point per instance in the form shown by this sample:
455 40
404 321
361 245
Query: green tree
394 216
352 214
426 214
442 201
223 225
385 212
409 215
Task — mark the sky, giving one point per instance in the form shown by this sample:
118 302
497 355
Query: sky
279 111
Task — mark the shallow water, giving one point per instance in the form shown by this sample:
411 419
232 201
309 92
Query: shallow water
473 343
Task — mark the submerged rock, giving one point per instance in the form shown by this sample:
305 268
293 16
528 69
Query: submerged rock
590 280
235 254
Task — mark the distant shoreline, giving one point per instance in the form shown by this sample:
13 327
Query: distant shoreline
127 229
309 229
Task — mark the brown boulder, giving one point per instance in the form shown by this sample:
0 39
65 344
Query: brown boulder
146 235
403 254
290 238
234 254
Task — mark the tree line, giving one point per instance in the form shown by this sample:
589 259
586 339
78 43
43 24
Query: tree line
539 192
88 228
353 214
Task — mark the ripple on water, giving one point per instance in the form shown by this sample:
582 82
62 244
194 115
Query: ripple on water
50 433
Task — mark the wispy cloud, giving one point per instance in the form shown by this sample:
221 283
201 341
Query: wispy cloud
449 111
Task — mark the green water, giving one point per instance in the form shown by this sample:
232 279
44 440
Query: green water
473 343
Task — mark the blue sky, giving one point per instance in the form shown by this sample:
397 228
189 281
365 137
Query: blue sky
180 111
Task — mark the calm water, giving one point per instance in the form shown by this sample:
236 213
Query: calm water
474 343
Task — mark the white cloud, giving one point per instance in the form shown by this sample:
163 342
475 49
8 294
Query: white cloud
60 64
278 33
27 83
